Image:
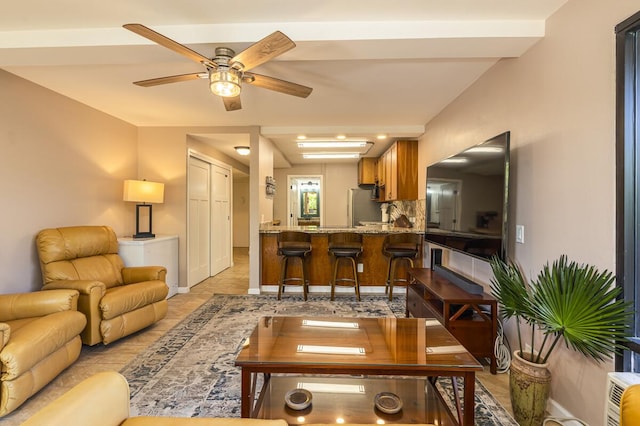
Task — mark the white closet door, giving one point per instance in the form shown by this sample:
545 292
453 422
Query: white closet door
220 219
199 222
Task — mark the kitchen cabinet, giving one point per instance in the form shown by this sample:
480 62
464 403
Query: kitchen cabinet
400 169
159 251
367 171
380 171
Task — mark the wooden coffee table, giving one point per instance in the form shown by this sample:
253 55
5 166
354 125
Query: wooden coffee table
392 349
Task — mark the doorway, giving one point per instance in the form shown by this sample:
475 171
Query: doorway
209 226
305 201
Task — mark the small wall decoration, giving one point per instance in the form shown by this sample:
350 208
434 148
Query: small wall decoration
270 186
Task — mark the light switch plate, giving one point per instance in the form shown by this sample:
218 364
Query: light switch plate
520 234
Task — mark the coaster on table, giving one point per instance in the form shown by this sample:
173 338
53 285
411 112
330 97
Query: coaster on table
388 403
298 399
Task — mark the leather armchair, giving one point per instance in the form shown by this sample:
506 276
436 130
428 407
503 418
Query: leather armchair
39 338
116 300
103 400
630 406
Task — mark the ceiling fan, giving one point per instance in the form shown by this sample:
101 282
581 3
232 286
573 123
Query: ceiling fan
226 71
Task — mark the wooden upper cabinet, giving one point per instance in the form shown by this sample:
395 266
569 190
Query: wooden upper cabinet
391 171
380 168
367 171
401 171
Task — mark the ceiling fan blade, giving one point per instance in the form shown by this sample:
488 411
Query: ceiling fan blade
232 104
167 42
264 50
278 85
170 79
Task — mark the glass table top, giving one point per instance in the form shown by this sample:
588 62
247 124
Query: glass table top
354 343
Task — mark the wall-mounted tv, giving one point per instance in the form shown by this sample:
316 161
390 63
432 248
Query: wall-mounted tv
468 199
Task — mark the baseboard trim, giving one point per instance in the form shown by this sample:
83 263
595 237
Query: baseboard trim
556 410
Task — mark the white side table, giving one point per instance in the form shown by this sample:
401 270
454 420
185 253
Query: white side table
159 251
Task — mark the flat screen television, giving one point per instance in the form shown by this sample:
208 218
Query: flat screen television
468 199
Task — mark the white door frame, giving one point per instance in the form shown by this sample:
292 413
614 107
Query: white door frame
290 181
210 160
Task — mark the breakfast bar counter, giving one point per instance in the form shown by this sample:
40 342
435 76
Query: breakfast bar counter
319 266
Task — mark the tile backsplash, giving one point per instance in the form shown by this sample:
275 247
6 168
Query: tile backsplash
414 210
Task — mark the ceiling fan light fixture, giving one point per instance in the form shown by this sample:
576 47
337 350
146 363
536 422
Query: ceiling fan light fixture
225 82
243 150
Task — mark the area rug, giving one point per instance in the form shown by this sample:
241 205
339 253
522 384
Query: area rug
190 371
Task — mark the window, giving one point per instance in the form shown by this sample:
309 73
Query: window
628 176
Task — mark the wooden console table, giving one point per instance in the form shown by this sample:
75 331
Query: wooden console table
471 318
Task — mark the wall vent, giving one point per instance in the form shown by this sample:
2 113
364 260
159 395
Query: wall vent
616 384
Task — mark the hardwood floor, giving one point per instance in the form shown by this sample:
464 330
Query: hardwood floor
115 356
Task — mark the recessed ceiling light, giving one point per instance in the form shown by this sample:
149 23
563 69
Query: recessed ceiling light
332 144
341 137
381 136
301 137
332 155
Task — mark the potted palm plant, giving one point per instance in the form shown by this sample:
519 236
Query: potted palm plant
567 302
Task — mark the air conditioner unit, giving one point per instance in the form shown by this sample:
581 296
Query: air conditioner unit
616 384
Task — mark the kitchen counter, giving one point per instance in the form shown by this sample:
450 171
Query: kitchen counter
368 229
319 266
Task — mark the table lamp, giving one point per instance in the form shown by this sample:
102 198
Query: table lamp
142 191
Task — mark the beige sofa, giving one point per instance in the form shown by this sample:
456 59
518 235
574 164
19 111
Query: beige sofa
39 337
116 300
103 400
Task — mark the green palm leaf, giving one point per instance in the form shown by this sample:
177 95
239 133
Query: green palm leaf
567 300
580 304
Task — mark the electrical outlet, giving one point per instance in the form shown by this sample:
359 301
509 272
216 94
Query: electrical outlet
527 347
360 267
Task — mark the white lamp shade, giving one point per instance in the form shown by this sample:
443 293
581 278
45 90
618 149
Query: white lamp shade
142 191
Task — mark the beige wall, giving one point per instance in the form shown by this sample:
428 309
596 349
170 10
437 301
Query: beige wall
558 101
62 164
337 180
241 211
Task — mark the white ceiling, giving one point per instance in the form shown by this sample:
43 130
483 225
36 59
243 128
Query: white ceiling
375 66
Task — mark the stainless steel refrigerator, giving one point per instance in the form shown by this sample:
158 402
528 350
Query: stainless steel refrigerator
361 208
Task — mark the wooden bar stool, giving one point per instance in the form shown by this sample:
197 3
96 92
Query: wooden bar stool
399 247
345 246
293 245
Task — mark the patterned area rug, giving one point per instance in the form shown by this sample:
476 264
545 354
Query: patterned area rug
190 372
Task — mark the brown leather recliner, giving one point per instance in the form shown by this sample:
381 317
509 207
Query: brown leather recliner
116 300
39 338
